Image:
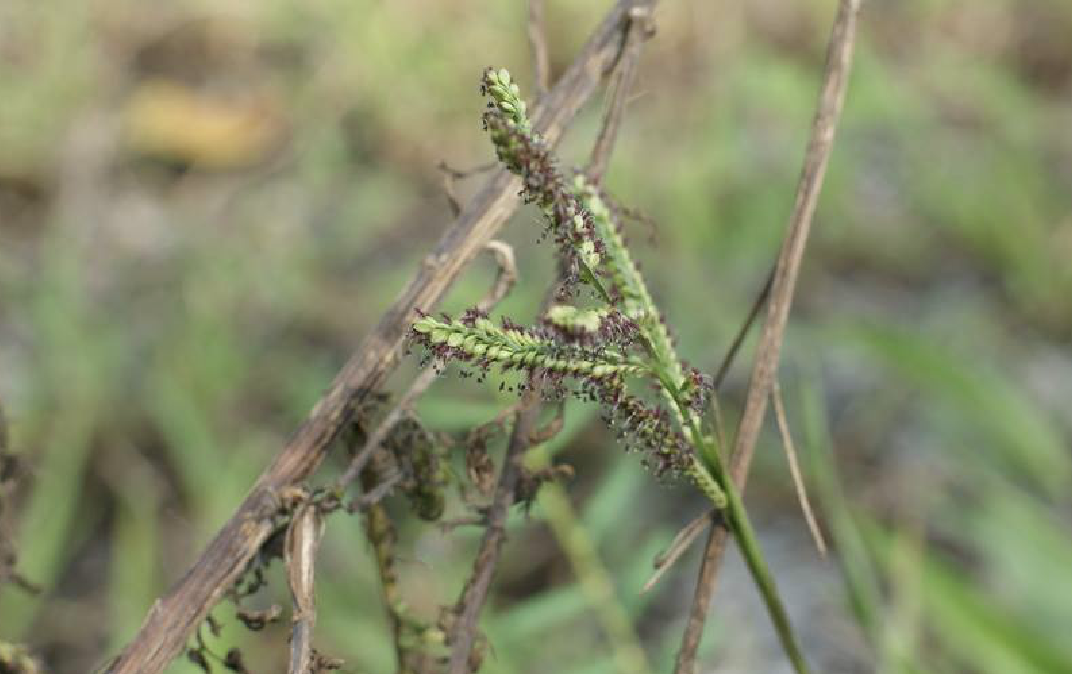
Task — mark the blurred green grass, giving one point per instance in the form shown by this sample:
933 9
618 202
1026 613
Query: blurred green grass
164 325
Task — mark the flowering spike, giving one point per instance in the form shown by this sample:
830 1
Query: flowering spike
511 347
505 96
526 154
590 344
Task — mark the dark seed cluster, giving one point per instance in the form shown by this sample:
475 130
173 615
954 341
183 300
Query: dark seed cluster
645 428
696 389
415 451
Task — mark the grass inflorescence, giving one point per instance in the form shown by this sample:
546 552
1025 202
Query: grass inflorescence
599 348
602 352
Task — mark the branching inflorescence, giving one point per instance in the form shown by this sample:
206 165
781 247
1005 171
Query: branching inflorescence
599 351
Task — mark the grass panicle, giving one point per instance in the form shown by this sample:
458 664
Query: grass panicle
602 349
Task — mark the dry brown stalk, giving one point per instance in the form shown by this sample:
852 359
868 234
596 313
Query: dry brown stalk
794 470
640 28
175 616
476 589
682 541
831 97
541 61
302 540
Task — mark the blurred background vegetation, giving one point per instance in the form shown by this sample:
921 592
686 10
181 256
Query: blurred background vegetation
204 206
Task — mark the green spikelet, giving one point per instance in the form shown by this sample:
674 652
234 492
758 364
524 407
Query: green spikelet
506 97
623 274
488 342
705 483
626 279
577 320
